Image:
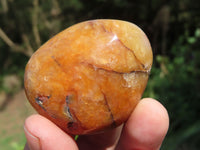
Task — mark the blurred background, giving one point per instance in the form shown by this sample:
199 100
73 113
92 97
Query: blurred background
173 27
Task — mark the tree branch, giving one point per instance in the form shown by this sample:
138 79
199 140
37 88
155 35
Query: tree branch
35 23
14 47
6 39
27 44
4 6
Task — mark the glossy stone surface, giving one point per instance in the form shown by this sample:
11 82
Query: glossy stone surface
89 77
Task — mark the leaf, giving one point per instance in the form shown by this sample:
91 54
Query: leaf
191 40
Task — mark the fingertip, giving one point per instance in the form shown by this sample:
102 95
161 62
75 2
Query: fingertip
158 112
151 121
41 133
33 142
147 126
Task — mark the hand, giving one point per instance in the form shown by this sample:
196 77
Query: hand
145 129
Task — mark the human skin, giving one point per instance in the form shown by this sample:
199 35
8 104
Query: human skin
144 130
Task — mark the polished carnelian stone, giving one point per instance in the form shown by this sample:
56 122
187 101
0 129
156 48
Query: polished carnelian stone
89 77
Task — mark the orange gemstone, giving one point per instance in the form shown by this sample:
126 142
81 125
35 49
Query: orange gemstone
89 77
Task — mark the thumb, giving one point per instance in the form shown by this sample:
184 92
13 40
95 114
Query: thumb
43 134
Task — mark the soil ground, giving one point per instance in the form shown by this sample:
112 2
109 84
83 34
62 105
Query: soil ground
13 113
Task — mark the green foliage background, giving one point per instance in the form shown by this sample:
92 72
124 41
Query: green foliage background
173 27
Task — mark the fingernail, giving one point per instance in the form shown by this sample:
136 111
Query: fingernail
33 141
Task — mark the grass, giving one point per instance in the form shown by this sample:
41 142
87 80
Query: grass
12 142
12 118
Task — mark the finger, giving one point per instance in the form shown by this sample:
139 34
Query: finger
102 141
42 134
146 127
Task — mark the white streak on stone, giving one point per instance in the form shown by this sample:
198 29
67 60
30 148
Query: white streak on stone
113 39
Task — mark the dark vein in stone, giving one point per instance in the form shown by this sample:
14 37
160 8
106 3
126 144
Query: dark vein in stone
67 109
105 30
56 61
110 111
143 66
40 100
74 122
112 71
70 125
